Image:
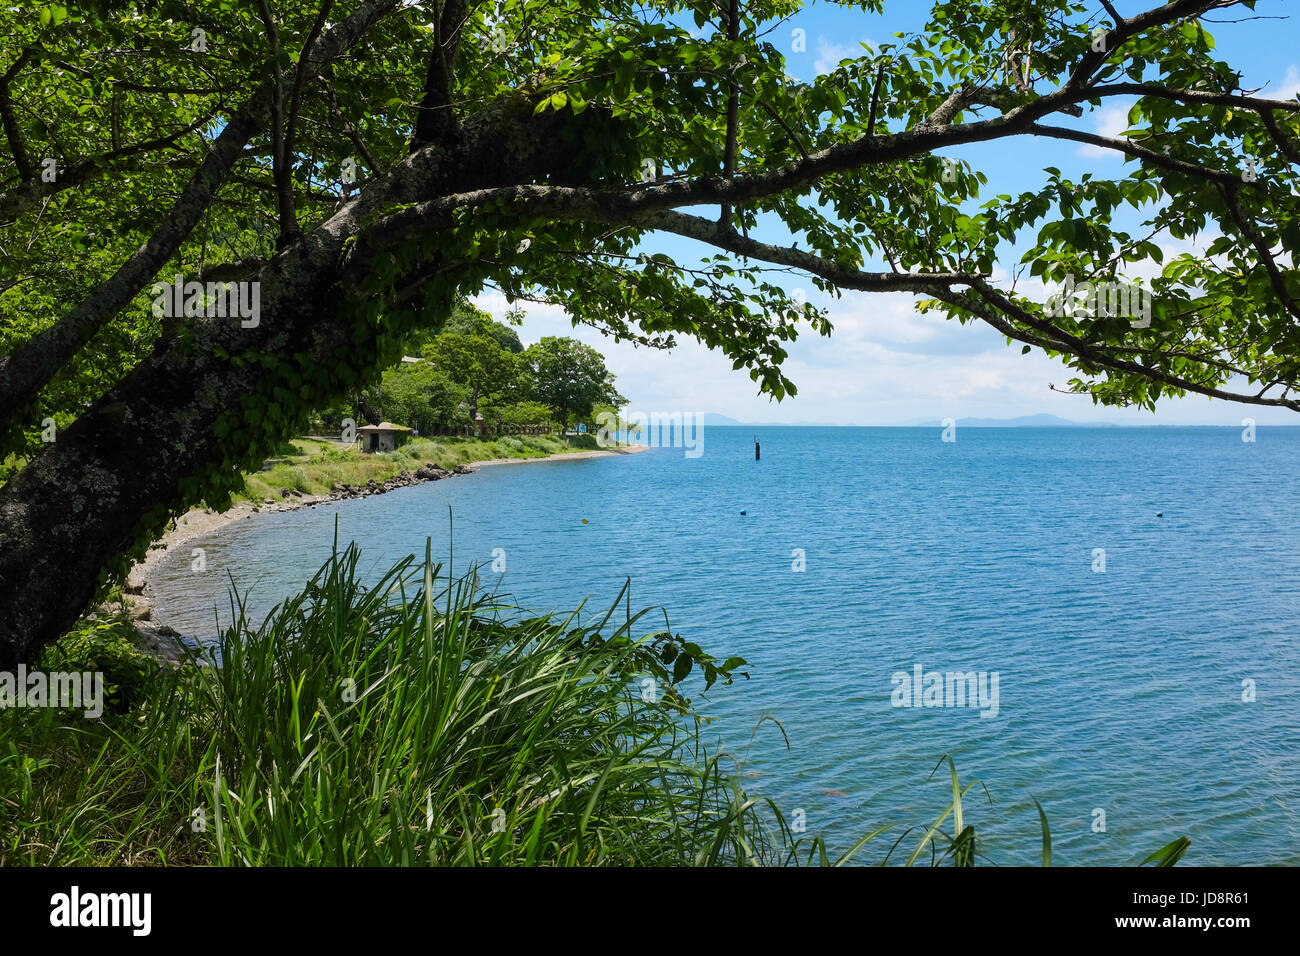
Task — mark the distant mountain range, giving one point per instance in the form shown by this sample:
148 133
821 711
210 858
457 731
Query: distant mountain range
1024 421
712 418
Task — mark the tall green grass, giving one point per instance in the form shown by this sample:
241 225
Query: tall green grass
404 723
400 725
416 721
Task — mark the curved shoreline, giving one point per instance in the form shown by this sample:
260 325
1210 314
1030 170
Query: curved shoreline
202 522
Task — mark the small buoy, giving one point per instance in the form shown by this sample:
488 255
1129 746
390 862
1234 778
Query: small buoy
584 520
1160 514
744 512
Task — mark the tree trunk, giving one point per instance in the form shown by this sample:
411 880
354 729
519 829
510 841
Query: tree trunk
201 409
367 411
141 452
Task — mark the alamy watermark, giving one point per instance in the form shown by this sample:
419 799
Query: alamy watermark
76 690
1102 299
74 908
951 689
654 429
215 300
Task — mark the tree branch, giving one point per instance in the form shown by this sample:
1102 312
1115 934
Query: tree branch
695 227
1275 279
24 372
1059 340
733 112
300 76
435 118
13 132
281 160
1139 152
25 196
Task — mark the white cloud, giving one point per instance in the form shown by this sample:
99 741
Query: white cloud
829 54
1109 122
1290 86
884 364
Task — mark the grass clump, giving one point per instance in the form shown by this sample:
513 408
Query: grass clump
406 724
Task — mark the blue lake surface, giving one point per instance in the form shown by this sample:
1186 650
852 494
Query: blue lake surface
1119 691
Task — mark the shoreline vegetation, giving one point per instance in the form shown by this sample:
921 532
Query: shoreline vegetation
313 471
388 697
417 721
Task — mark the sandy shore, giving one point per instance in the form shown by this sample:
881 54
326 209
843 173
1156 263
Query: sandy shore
566 456
201 522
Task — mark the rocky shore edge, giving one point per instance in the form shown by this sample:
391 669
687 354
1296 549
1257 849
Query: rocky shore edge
167 644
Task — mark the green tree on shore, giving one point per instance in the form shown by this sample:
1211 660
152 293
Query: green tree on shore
468 319
423 397
477 362
570 378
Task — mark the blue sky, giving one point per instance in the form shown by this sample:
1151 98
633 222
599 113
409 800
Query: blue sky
886 364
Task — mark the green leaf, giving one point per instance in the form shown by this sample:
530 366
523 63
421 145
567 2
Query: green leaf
681 668
1169 854
1047 834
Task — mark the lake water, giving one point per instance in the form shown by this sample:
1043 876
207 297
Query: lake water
1118 691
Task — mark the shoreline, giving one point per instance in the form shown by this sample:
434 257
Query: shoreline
564 456
202 522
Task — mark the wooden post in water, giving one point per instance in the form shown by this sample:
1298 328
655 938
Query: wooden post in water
756 448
